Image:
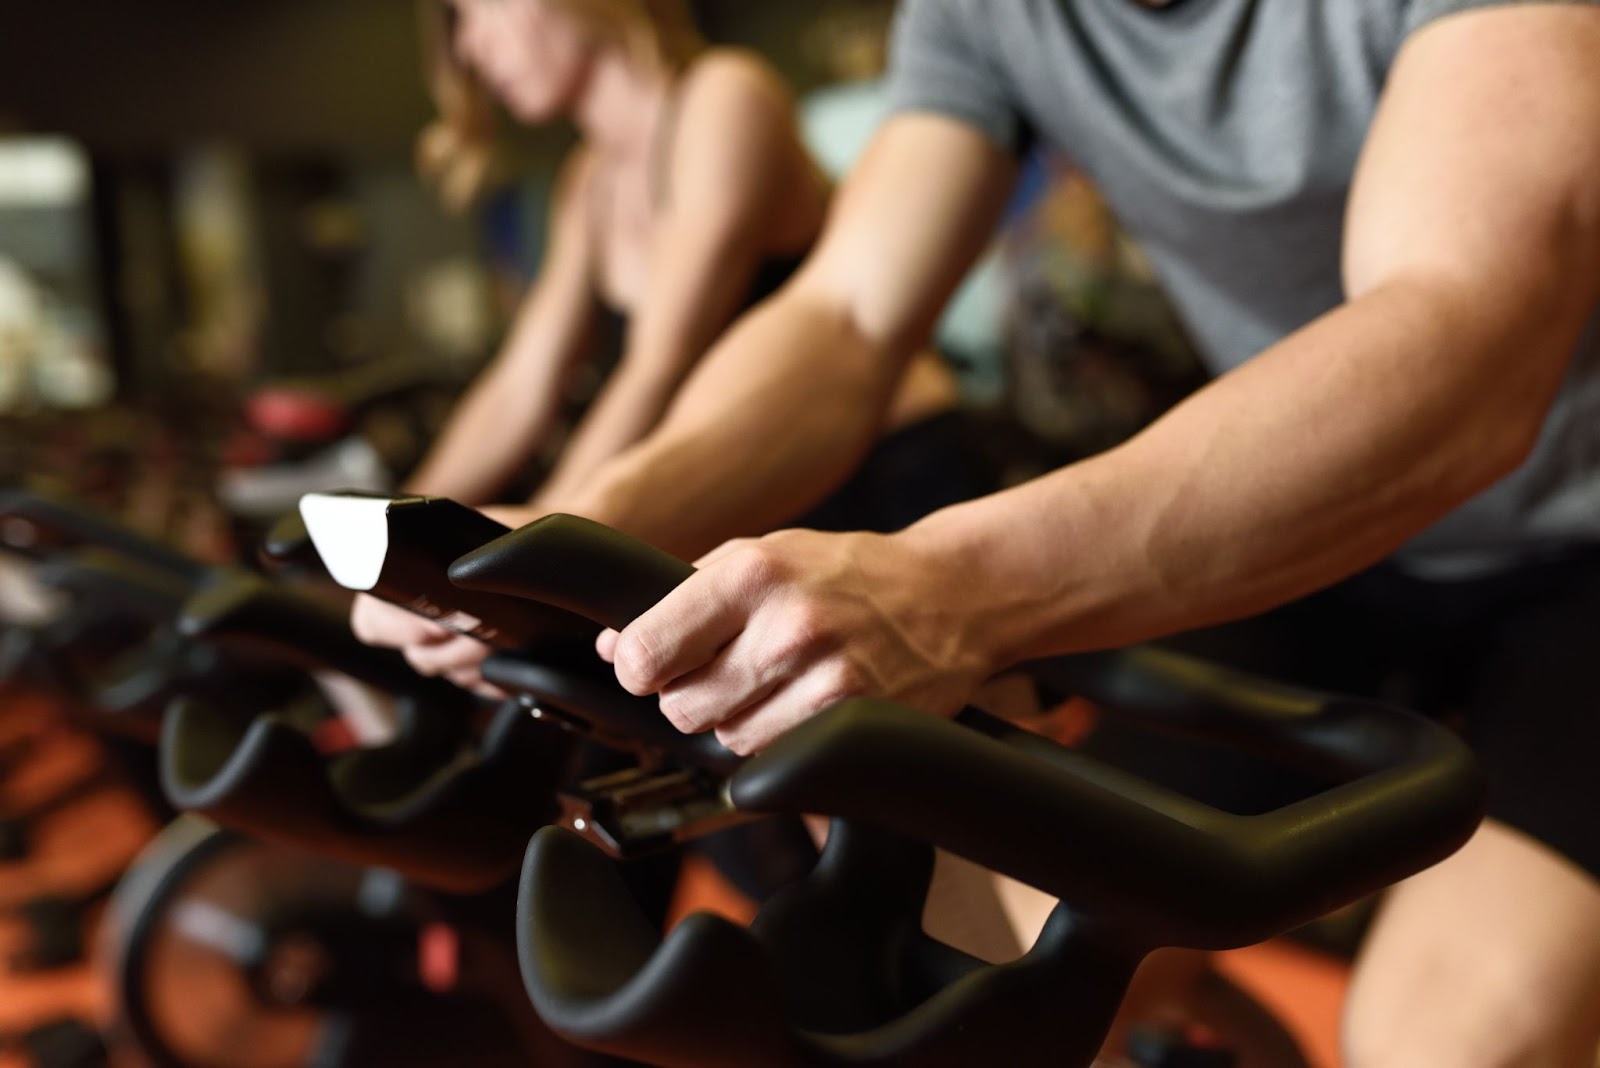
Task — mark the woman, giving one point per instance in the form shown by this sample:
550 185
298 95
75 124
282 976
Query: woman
688 198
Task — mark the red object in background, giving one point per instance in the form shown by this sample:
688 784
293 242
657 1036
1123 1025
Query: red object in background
1200 1036
438 957
297 415
333 736
246 447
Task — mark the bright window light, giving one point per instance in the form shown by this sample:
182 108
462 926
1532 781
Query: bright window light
41 172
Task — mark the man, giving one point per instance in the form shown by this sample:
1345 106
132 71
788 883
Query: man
1381 219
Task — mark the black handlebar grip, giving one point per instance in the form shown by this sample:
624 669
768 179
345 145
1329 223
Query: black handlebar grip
596 572
577 564
398 550
605 576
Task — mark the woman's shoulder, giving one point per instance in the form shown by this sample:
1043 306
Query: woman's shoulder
738 140
736 80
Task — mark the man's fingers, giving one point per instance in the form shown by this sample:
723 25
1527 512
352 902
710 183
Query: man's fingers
511 515
737 678
687 628
790 705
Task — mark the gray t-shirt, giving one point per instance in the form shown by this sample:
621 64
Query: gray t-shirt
1224 134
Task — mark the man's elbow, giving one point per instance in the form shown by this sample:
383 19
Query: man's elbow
1502 434
877 330
1510 448
1506 350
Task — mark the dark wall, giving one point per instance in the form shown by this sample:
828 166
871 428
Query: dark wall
274 75
278 74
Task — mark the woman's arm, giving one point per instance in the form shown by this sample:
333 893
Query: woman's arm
738 182
783 407
509 409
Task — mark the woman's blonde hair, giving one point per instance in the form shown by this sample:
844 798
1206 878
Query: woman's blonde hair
455 150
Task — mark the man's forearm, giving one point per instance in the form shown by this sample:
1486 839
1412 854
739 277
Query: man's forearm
1315 460
775 418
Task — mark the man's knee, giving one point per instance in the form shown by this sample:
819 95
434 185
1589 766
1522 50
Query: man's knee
1469 1024
1490 960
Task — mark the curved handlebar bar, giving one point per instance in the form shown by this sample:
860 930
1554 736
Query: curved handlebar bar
241 610
1137 865
49 524
1163 861
604 576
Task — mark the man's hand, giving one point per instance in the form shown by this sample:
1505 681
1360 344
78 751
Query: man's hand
772 631
429 648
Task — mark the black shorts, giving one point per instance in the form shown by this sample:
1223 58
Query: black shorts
1511 660
909 473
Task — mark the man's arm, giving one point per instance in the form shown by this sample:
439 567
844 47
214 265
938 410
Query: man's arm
780 410
1472 264
1473 261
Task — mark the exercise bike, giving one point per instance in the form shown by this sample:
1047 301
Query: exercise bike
837 970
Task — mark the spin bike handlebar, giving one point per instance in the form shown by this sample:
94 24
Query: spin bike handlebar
1136 865
1226 879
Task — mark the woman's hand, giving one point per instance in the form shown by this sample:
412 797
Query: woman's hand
429 648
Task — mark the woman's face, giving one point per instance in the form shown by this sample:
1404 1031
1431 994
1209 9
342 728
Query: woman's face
529 53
